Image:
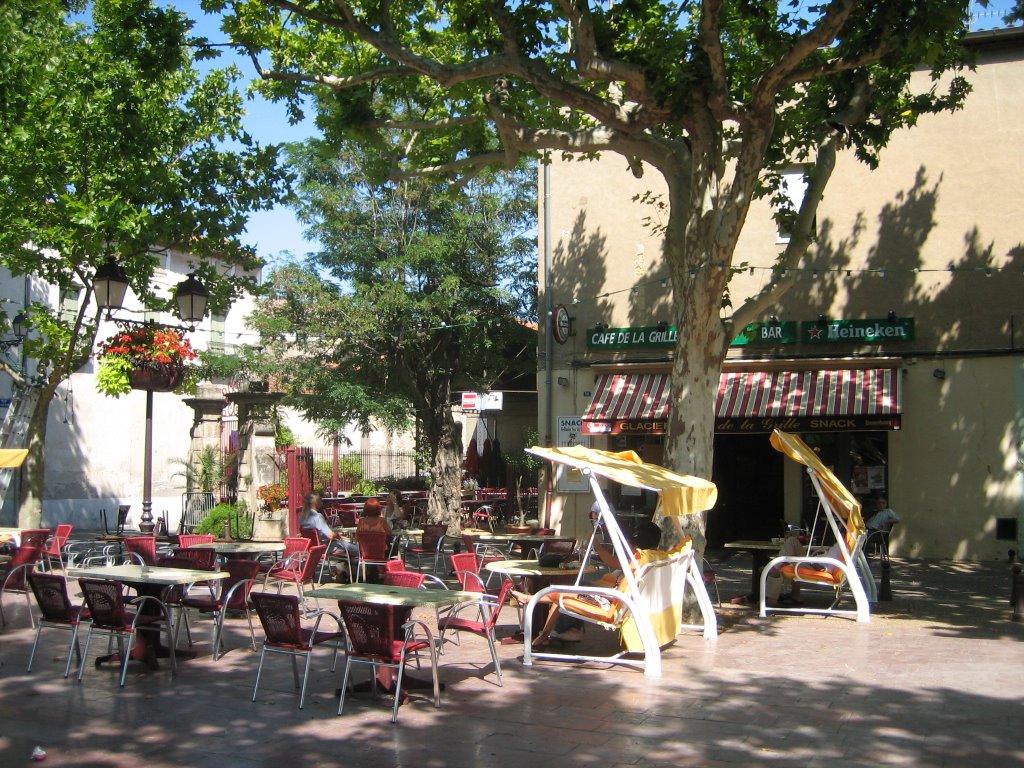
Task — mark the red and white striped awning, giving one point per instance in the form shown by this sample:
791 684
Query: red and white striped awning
844 392
639 402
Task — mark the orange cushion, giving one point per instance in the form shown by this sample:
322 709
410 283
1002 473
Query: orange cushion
807 573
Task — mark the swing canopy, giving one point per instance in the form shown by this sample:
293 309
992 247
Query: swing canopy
680 494
12 457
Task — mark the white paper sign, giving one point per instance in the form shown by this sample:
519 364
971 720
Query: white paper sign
569 433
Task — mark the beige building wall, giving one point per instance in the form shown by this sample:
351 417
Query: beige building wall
934 234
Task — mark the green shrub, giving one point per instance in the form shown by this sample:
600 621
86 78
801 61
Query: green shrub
241 521
365 488
350 472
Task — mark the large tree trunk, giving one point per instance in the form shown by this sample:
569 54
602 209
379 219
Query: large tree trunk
445 435
30 510
697 283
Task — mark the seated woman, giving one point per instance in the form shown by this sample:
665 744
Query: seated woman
596 607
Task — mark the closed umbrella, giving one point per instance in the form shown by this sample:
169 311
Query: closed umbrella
472 462
485 463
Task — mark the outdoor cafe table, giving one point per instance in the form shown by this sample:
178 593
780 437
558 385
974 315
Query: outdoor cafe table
150 581
521 540
402 597
242 550
761 552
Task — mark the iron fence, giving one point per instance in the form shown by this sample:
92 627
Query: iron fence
337 472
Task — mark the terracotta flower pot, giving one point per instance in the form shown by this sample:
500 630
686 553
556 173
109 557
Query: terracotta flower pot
157 377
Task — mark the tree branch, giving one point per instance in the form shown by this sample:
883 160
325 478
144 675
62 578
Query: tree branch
333 81
855 111
710 42
590 62
885 47
822 34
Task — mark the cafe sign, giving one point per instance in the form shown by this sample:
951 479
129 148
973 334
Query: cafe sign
647 337
753 425
767 333
857 331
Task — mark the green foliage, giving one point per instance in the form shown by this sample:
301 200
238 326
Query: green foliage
350 471
366 488
241 521
208 469
113 146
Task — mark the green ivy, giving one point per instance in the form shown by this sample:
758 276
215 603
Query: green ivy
241 521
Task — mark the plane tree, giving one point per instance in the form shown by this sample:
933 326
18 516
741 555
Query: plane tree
717 97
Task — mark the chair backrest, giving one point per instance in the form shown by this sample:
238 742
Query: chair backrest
500 601
432 534
51 591
35 537
465 561
370 628
201 559
373 545
59 539
410 579
312 534
106 603
295 544
309 567
281 617
15 578
143 546
394 565
558 547
186 540
347 518
239 571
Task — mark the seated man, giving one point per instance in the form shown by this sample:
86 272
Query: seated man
884 518
596 607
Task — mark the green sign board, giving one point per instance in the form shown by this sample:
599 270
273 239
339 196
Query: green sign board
857 331
649 337
767 333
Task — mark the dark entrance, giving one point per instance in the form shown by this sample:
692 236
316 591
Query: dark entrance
749 475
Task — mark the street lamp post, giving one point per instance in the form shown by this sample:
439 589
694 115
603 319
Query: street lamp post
110 285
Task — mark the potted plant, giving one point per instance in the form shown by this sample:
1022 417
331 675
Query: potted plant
151 357
272 496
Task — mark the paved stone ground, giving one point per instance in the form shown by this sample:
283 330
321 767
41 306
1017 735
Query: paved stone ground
936 679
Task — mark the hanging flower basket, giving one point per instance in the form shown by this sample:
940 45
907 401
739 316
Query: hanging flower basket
158 377
150 357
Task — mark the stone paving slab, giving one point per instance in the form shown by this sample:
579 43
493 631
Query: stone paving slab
936 679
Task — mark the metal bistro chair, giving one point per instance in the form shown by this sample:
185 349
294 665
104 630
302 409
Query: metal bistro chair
56 612
296 572
15 579
186 540
141 549
110 615
430 546
234 596
373 550
281 617
374 640
54 550
488 608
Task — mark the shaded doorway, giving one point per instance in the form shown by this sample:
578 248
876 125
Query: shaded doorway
749 475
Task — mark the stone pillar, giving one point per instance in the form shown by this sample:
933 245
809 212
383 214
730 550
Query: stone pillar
256 454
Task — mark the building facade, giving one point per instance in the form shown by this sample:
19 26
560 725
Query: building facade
898 353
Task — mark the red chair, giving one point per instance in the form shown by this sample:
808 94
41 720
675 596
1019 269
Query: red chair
186 540
312 534
110 615
484 515
54 549
22 562
142 549
410 579
373 550
281 617
489 608
430 546
467 571
234 596
374 640
200 559
56 612
395 565
295 571
295 549
36 537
